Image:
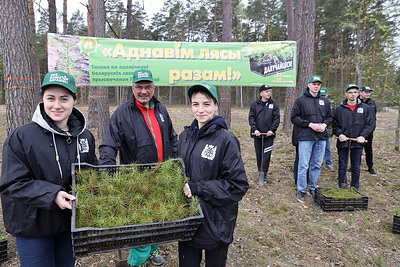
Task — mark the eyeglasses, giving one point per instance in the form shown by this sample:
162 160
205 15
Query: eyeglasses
148 88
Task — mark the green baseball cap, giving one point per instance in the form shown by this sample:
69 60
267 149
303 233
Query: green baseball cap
315 78
352 85
323 91
59 78
203 87
366 89
142 75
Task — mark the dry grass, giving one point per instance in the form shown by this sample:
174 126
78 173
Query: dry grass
274 229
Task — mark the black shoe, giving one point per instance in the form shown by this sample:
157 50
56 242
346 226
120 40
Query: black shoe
301 197
372 172
311 192
343 186
268 181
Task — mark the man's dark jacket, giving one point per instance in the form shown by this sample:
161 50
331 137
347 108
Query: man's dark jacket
352 123
309 109
264 116
128 134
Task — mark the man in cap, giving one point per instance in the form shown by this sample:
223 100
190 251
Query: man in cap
365 97
352 123
264 118
140 131
311 114
328 148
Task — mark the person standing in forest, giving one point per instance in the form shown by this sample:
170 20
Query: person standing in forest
36 175
217 176
365 97
352 123
328 148
264 118
141 131
311 114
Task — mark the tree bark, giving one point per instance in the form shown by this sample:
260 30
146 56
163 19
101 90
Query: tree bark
19 82
128 31
52 16
65 17
98 110
225 95
90 18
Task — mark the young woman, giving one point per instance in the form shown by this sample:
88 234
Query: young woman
217 176
36 178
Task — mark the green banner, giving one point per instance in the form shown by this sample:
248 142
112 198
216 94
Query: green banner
111 62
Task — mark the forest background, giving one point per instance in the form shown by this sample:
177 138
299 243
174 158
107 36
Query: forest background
343 41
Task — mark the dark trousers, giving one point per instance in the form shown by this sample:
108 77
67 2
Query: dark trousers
368 151
48 251
355 160
267 150
191 257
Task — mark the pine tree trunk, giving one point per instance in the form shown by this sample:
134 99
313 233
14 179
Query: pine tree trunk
98 110
52 16
225 95
19 82
65 17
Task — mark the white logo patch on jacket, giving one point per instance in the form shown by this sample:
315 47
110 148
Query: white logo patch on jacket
321 102
271 106
209 152
360 110
83 145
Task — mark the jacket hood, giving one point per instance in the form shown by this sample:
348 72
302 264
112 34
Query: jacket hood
76 122
306 92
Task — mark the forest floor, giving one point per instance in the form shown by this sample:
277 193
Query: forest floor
273 229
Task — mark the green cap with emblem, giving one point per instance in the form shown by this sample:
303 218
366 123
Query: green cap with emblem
352 85
366 89
203 87
142 75
323 91
59 78
315 78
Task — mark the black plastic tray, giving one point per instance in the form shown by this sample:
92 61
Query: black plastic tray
88 240
340 204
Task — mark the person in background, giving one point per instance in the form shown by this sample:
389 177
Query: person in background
36 175
141 131
328 148
352 123
365 97
264 118
217 176
311 114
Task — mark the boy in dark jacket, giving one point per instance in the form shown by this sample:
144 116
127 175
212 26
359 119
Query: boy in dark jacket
352 123
311 114
264 118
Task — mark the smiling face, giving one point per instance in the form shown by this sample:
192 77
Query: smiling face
203 108
143 91
365 95
58 105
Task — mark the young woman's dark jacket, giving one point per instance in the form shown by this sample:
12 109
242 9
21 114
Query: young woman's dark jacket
217 176
128 133
352 123
264 116
36 165
309 109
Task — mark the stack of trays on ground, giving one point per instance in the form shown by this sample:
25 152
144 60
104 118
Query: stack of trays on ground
348 199
118 206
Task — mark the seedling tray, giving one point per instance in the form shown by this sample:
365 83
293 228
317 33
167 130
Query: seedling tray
396 224
89 240
3 251
340 204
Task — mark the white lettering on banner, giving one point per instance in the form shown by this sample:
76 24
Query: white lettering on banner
209 152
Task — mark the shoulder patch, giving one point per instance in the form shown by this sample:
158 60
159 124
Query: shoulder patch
209 152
